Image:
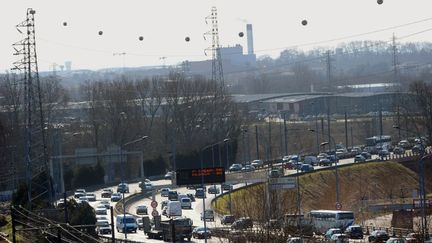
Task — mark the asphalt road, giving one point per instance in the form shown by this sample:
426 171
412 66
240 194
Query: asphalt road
197 206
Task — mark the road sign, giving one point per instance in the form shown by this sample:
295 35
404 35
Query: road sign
197 176
155 213
417 203
282 183
338 206
154 204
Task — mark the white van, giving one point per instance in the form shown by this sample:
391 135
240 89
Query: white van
312 160
174 209
126 222
186 202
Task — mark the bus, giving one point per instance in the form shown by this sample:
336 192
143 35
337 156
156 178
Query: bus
376 143
322 220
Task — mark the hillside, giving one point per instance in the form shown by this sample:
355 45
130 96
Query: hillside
360 185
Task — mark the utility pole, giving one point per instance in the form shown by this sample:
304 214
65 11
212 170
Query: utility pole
346 128
328 62
217 70
395 62
285 134
256 142
35 145
328 121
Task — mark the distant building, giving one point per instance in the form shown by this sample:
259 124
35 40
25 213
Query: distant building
233 59
68 66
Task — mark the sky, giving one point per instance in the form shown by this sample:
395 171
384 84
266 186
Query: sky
164 25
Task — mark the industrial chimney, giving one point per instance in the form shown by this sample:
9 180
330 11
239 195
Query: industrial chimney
249 39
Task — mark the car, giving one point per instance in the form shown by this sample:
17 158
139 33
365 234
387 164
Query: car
325 162
126 223
81 190
359 158
169 175
101 217
235 167
115 197
248 168
356 150
180 196
312 160
207 215
173 195
105 203
201 233
91 197
164 203
164 192
398 150
295 240
186 203
275 173
418 148
366 155
148 186
378 236
257 163
123 188
200 193
227 219
226 187
354 232
60 203
139 222
413 238
101 210
174 209
213 190
106 193
396 240
83 199
322 156
79 194
190 187
286 158
331 232
141 210
242 223
191 196
383 153
306 168
103 227
339 238
404 144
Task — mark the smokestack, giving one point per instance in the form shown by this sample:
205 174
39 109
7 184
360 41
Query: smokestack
249 39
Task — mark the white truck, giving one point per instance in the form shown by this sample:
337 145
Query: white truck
174 209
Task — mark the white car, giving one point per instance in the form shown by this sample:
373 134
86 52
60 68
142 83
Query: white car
101 210
101 217
164 192
186 203
257 163
148 186
105 203
91 197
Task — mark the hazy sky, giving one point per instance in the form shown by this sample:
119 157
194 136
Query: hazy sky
164 24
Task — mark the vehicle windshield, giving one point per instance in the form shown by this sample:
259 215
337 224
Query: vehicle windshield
345 216
128 220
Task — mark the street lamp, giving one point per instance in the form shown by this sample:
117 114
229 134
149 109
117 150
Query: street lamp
332 141
421 176
123 178
202 181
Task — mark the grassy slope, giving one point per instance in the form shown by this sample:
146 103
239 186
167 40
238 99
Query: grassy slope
385 181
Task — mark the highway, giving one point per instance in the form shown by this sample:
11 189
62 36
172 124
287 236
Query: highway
197 206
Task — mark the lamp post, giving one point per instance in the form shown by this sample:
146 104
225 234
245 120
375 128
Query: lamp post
123 178
421 178
202 181
332 141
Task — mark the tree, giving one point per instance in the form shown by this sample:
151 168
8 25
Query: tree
423 99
